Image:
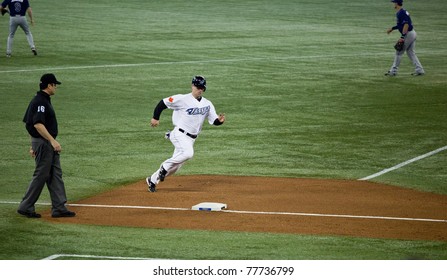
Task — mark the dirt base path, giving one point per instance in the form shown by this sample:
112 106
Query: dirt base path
290 199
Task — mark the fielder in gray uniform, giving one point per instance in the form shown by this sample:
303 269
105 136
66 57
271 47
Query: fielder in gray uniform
17 11
408 36
41 124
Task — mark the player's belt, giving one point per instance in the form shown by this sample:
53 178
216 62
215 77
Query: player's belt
189 134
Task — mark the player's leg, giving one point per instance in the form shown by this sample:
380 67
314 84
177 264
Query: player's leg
13 24
419 70
396 63
184 150
29 37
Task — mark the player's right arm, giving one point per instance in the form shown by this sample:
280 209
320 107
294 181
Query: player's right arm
155 121
29 11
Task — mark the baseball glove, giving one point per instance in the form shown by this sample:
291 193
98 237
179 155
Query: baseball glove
399 46
4 11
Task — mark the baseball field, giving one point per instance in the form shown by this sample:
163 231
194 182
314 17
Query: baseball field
321 156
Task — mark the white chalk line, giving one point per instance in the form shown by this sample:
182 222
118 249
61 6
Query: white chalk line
403 164
229 60
249 212
58 256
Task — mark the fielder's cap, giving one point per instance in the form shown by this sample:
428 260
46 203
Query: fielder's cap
199 82
398 2
49 79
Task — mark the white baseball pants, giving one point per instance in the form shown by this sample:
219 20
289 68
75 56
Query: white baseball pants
184 150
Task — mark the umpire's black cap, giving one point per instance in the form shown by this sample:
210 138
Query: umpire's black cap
49 78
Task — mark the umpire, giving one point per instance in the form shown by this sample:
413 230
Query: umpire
41 124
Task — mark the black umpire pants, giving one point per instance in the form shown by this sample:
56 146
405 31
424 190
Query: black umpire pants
48 171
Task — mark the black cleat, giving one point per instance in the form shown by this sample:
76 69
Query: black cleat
151 186
162 174
391 74
34 51
417 74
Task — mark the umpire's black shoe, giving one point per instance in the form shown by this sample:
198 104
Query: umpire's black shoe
29 214
151 186
162 174
63 214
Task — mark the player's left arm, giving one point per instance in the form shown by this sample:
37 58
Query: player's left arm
404 32
220 119
29 11
215 119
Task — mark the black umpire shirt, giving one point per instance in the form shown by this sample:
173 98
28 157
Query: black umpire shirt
41 111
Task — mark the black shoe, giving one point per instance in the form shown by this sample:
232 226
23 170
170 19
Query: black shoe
29 214
34 51
151 186
417 74
392 74
59 214
162 174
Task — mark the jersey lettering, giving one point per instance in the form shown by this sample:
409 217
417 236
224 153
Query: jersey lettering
198 111
40 109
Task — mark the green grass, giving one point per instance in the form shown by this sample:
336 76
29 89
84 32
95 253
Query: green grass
301 83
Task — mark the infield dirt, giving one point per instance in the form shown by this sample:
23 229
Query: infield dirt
264 194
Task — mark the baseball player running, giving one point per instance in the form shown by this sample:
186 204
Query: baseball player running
17 11
190 111
405 27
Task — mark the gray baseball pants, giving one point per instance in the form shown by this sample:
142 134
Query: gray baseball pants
14 23
48 171
409 47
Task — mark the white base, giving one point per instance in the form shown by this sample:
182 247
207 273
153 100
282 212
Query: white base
209 206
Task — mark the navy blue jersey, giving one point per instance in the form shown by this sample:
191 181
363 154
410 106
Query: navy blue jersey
41 111
16 7
403 17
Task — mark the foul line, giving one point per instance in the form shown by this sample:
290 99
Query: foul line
403 164
249 212
185 62
57 256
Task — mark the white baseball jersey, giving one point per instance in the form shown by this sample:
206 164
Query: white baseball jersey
190 113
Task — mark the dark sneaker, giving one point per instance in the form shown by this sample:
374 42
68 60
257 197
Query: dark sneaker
162 174
64 214
151 186
34 51
417 74
391 74
29 214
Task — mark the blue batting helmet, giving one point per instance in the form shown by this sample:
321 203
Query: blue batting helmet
199 82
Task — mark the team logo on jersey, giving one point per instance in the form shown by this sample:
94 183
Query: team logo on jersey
198 111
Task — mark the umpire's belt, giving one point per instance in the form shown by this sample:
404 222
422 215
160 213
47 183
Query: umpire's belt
189 134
